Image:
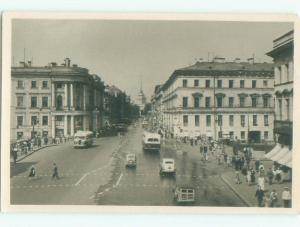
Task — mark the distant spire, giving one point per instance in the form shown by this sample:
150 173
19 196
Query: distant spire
141 88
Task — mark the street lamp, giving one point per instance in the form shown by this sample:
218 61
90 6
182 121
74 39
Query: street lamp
36 121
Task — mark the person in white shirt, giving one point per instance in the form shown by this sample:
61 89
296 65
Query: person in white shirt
286 197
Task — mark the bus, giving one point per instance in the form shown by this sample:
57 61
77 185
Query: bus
151 141
83 139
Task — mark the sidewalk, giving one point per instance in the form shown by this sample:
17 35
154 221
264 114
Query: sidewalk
23 156
245 192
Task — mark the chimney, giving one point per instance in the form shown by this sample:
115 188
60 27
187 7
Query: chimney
22 64
250 60
237 60
219 60
29 63
75 65
53 64
67 62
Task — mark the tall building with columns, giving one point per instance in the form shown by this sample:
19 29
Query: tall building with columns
220 99
283 55
54 101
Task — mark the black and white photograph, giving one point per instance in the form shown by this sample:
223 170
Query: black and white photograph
148 112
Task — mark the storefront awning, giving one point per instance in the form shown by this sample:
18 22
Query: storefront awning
273 152
287 160
280 155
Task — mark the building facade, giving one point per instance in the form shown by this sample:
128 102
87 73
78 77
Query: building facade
282 53
54 101
221 99
141 100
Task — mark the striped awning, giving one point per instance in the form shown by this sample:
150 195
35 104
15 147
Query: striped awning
287 160
273 151
280 155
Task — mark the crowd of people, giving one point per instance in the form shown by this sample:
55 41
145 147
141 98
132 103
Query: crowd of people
247 169
23 147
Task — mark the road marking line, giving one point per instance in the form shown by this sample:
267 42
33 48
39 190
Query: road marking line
81 179
119 180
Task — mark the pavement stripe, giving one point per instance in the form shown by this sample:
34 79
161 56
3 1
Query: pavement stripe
78 182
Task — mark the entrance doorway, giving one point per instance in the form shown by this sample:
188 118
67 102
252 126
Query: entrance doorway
254 136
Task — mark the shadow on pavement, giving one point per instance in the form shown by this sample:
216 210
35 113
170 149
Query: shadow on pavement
19 168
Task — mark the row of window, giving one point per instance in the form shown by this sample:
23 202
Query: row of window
220 120
33 101
21 84
220 83
243 135
34 120
219 99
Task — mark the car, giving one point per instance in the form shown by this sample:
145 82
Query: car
184 194
131 160
167 166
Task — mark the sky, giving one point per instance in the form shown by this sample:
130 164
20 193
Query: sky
128 53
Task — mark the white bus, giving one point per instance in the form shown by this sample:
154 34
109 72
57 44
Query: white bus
151 141
83 139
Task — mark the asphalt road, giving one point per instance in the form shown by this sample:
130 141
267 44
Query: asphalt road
98 175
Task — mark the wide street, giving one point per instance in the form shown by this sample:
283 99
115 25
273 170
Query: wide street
98 176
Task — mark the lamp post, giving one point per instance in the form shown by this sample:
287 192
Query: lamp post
33 131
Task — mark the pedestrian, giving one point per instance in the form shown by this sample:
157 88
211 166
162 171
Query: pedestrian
261 169
55 172
249 177
267 200
257 163
261 182
273 198
270 176
228 161
286 197
32 172
237 177
15 154
225 158
39 142
252 176
259 194
278 175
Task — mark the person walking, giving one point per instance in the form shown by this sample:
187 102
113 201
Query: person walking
261 182
286 197
270 176
32 172
55 172
237 177
259 194
273 198
15 154
278 175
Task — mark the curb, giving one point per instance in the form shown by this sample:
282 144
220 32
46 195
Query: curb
245 201
25 156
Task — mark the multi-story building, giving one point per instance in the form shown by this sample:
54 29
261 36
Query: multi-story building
54 101
117 106
282 53
221 99
156 102
141 100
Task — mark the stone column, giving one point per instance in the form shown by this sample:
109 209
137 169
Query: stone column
72 96
84 122
66 96
66 125
72 126
84 97
53 95
53 126
95 97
